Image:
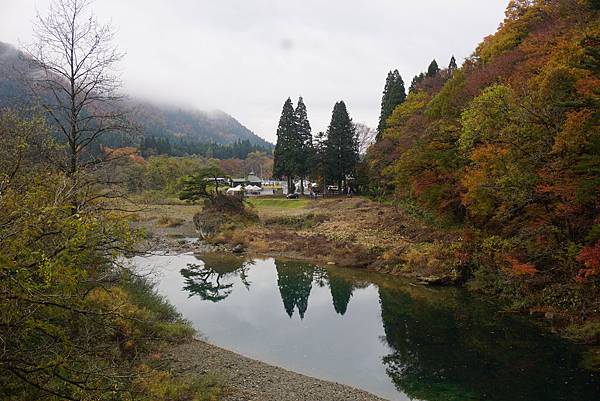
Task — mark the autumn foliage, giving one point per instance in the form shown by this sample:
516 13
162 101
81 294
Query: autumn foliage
509 145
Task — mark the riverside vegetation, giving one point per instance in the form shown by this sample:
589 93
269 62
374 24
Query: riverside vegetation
75 322
505 151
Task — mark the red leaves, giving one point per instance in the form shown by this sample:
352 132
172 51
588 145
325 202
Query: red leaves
590 258
519 268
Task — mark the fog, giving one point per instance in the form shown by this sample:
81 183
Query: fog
246 57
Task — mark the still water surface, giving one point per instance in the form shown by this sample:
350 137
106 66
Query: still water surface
370 331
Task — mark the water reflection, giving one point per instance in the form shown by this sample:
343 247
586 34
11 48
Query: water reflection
206 280
374 332
341 292
212 281
295 281
450 351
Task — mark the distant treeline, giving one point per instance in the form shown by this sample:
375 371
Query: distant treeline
150 146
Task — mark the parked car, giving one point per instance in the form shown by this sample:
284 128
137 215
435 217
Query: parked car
332 188
293 196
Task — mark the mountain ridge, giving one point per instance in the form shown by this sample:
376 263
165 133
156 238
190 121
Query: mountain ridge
153 117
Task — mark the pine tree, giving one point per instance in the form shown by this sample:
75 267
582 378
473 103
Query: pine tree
285 155
433 69
452 66
304 138
341 151
394 94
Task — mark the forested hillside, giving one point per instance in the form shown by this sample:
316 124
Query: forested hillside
182 127
191 125
506 150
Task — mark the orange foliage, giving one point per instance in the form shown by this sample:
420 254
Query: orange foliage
590 258
128 153
520 268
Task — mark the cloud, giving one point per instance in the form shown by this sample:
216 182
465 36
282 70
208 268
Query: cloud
247 56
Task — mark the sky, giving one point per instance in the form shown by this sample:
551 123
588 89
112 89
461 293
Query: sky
246 57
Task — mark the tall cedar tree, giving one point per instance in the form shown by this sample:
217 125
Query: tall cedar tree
433 69
287 149
303 135
341 152
319 167
394 94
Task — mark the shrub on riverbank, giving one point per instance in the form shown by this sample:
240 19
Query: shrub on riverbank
74 324
221 216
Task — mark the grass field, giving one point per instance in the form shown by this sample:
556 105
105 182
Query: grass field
280 203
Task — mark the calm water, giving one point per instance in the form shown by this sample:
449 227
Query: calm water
370 331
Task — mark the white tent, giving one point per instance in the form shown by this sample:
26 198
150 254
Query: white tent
252 189
235 189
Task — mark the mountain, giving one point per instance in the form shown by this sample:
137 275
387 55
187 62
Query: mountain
154 119
190 125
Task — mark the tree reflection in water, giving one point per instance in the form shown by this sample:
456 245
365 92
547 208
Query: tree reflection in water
295 281
341 292
207 280
443 345
445 350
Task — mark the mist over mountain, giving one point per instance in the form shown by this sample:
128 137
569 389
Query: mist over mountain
169 121
152 117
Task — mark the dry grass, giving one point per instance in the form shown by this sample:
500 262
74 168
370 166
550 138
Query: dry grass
169 222
352 232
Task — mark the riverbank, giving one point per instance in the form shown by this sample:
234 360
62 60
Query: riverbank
246 379
360 233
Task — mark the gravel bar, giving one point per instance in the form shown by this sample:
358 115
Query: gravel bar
246 379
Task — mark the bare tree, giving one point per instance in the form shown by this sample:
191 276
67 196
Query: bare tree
366 136
76 82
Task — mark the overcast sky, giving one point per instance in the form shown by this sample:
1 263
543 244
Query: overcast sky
246 57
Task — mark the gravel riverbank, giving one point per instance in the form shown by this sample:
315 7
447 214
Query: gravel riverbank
246 379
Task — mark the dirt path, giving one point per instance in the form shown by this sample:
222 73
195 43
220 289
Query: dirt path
246 379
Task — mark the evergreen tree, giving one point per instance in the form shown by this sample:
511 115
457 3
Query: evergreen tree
341 151
319 166
433 69
286 150
452 66
303 136
394 94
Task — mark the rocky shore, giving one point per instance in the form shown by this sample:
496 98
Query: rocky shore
245 379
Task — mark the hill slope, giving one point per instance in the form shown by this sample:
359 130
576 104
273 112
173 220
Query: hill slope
507 150
154 119
191 125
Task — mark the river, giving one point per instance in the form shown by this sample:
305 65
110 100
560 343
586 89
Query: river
371 331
